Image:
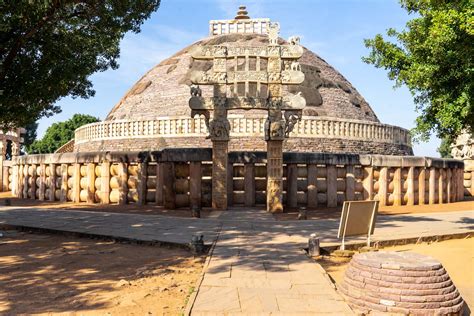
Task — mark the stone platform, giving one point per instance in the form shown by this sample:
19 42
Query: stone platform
396 282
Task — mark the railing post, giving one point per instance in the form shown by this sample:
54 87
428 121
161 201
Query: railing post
123 176
159 184
312 186
292 185
5 181
461 184
142 188
411 186
52 184
169 193
422 186
368 183
195 187
331 181
26 178
105 182
397 189
350 183
432 186
441 193
42 189
91 183
77 183
64 184
33 181
449 186
230 183
383 186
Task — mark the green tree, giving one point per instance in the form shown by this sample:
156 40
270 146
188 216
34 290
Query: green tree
433 57
59 134
30 135
444 148
49 48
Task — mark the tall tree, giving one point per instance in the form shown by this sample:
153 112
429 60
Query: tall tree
30 135
49 48
433 57
444 148
59 134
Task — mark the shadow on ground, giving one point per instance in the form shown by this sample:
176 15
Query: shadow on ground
52 273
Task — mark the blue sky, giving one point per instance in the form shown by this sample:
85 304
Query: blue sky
334 29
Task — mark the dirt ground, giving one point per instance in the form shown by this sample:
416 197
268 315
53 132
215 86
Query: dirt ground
326 213
456 255
55 274
151 209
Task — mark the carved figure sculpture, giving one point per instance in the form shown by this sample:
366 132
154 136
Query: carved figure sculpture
294 40
195 90
463 148
295 66
219 129
295 101
291 118
273 32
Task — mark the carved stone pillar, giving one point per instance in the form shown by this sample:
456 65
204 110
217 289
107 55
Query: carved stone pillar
274 128
219 174
219 129
275 176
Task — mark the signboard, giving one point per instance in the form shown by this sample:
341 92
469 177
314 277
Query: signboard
358 219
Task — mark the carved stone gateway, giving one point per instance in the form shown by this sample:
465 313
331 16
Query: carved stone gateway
232 90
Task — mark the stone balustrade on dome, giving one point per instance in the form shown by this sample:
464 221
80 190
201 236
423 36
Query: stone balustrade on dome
240 127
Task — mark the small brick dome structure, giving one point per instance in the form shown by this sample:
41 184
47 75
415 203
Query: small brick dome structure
400 283
154 114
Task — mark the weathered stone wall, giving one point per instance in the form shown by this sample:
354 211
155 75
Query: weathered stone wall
175 178
330 145
469 178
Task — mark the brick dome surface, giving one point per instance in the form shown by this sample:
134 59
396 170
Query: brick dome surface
164 90
154 114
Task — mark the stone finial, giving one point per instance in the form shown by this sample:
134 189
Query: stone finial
242 14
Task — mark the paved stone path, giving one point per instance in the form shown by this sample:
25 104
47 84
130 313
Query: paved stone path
179 230
131 226
255 272
257 266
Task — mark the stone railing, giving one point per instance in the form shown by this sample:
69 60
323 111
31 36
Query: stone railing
186 127
247 26
182 178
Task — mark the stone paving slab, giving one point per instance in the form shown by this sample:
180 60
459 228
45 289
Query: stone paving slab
265 283
130 226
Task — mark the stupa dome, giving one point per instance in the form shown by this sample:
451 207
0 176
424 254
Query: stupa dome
154 113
